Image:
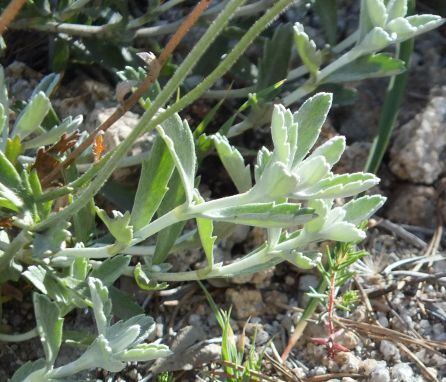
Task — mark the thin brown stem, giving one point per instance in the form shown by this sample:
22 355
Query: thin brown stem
10 13
155 69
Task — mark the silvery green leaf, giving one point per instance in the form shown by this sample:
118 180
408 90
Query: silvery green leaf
274 65
111 269
396 8
279 134
47 84
377 12
376 40
276 182
144 352
5 105
122 339
3 118
304 260
263 158
101 304
369 66
362 208
9 199
100 355
156 172
67 126
32 115
49 326
321 208
310 117
145 324
144 282
343 232
205 229
311 171
263 215
30 371
331 150
412 26
311 57
180 142
9 176
339 186
118 225
233 162
50 241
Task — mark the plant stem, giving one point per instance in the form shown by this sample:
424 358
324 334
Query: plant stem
146 123
392 104
155 69
302 324
19 337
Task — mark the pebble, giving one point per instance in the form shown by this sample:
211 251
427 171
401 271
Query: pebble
402 372
389 350
380 374
368 365
245 302
348 362
382 319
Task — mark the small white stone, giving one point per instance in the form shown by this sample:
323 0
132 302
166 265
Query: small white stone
402 372
389 350
380 374
382 319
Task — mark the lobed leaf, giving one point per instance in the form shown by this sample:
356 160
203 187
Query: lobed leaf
233 162
180 142
310 117
311 57
118 225
268 215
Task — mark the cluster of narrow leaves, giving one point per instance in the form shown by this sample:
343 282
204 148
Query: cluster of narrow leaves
114 346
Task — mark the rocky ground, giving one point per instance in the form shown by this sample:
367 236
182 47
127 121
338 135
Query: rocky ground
397 331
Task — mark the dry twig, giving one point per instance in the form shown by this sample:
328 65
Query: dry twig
10 13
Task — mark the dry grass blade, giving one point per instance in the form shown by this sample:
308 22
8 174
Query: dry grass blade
402 233
153 74
424 370
255 376
282 369
10 13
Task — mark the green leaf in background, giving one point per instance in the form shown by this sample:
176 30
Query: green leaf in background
124 306
180 142
310 117
49 326
311 57
273 66
3 118
267 215
32 115
84 222
152 187
166 238
9 199
60 54
118 225
233 162
144 281
370 66
29 368
327 10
